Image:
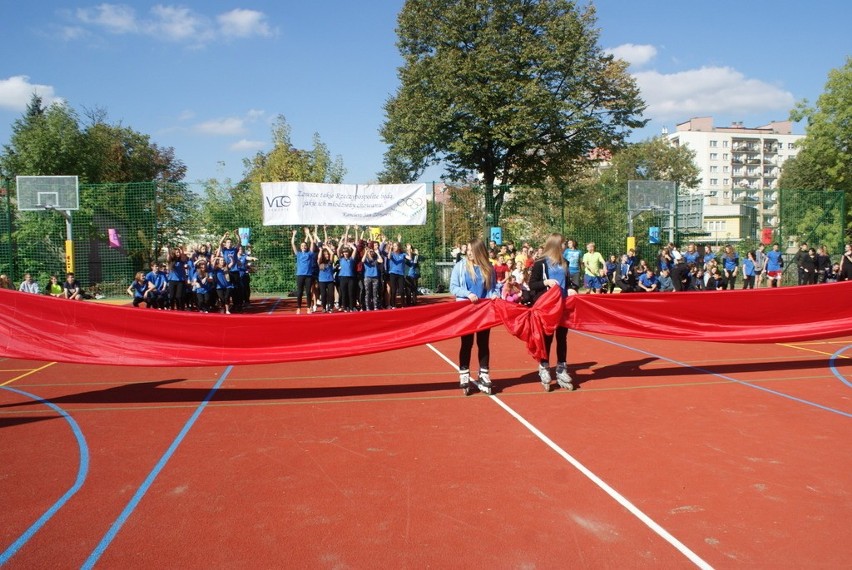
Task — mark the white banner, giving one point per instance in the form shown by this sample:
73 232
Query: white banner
311 203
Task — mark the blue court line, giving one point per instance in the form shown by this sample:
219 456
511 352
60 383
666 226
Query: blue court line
149 480
834 369
82 472
275 305
724 377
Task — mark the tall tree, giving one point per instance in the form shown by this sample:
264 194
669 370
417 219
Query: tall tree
512 91
653 159
825 159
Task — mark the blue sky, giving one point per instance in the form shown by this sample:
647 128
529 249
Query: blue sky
208 78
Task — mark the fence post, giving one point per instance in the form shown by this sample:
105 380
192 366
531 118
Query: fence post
13 273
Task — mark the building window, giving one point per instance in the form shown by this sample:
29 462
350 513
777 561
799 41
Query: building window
725 156
714 169
725 168
714 156
791 146
726 182
714 182
724 144
713 144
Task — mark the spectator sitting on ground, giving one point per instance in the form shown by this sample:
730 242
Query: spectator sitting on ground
72 288
28 285
666 283
648 281
54 288
5 282
511 291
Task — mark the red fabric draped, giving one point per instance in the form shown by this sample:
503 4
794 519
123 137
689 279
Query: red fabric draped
43 328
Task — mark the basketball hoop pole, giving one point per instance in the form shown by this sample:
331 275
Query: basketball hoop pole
69 238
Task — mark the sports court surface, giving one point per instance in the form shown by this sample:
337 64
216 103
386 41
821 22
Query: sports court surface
669 455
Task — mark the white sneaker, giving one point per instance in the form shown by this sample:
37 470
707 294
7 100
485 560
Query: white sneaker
562 376
544 375
464 378
484 378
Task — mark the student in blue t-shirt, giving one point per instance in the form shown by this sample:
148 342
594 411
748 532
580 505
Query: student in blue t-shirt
413 276
648 282
348 275
222 283
774 265
305 259
177 279
202 285
572 256
157 295
372 263
139 290
396 261
749 270
730 262
326 279
473 278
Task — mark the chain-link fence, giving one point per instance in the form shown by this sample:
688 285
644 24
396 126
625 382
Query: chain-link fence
120 228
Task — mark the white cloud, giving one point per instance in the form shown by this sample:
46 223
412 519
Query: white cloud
226 126
17 91
173 23
244 145
239 23
255 114
635 55
116 18
708 91
176 23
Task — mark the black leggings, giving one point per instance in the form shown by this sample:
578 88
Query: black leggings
397 285
561 334
348 288
303 285
326 288
482 345
176 294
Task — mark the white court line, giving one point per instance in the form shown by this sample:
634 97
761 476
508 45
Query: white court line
619 498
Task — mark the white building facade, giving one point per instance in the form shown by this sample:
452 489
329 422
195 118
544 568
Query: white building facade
739 165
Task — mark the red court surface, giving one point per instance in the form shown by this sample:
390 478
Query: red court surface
668 455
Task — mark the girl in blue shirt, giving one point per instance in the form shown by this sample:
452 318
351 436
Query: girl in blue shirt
749 271
552 270
348 277
139 290
396 272
202 283
177 279
222 282
473 278
305 259
326 279
372 262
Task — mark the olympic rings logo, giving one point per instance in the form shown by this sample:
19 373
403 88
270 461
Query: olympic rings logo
411 202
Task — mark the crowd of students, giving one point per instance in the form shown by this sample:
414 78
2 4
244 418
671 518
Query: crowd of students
696 268
353 273
200 279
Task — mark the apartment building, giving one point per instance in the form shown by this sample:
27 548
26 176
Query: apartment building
739 166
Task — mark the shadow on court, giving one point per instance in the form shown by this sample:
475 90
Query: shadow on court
171 391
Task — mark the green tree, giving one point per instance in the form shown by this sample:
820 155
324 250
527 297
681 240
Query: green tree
45 141
652 159
511 91
127 184
825 159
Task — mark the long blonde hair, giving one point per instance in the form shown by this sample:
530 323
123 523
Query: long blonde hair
480 259
553 247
